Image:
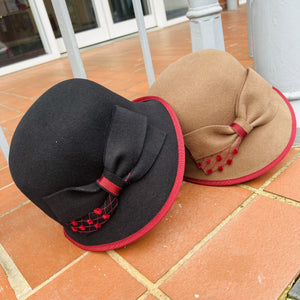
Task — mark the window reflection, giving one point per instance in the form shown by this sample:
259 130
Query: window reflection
175 8
81 13
122 10
19 36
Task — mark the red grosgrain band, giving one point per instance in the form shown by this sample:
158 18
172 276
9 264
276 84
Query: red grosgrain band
109 186
239 130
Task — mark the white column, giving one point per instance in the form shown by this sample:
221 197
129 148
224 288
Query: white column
276 46
232 4
249 23
68 35
205 24
4 145
159 12
138 11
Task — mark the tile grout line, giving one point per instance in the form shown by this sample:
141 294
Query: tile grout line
279 172
33 291
137 275
271 195
7 131
144 296
15 278
280 198
261 191
15 208
11 119
17 95
206 239
4 168
11 108
6 186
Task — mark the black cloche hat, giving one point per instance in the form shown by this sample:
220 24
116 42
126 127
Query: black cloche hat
107 169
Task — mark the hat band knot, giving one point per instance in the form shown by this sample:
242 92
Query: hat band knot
241 127
112 183
109 186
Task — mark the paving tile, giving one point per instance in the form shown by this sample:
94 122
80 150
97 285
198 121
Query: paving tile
7 83
27 92
3 162
253 257
136 96
246 62
119 85
95 276
7 114
8 136
139 88
128 95
36 244
257 182
287 183
12 124
10 197
6 292
15 102
5 177
196 211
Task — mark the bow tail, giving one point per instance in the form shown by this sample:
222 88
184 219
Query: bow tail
96 218
217 161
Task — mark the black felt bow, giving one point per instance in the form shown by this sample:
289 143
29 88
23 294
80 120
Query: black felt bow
132 147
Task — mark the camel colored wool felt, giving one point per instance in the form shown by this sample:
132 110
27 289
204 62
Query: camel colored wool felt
236 126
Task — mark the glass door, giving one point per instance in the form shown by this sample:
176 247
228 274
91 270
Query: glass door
175 8
87 20
19 36
121 18
95 21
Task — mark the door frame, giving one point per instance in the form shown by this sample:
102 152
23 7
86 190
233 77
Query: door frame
107 28
129 26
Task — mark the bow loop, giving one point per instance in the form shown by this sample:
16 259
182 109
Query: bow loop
241 126
125 141
217 144
251 106
132 147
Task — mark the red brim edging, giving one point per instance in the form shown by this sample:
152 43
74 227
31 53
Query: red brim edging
263 170
170 200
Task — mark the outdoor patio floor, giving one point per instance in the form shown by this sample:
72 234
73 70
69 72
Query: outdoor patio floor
216 243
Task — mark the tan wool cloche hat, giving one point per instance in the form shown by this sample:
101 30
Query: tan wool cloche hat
236 126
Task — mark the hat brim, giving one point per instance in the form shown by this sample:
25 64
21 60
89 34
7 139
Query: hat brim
254 159
143 204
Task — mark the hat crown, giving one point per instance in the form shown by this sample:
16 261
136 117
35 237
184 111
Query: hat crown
224 109
208 81
60 141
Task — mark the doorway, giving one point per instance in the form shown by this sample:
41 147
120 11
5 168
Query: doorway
95 21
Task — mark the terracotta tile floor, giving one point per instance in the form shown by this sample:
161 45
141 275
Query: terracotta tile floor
238 242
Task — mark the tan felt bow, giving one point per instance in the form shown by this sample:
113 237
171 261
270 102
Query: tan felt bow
214 146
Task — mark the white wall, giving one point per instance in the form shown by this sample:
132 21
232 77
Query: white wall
276 45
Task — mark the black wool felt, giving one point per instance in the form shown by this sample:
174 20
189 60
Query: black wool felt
60 143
